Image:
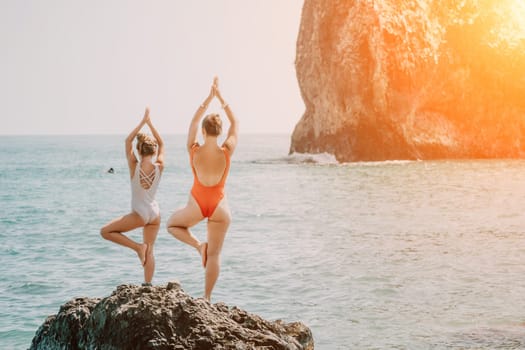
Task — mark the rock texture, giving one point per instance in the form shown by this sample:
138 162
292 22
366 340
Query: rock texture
163 318
416 79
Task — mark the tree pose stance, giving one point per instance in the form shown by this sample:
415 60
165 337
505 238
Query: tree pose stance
210 164
145 176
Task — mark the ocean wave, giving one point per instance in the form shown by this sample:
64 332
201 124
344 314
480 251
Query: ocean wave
488 338
327 159
381 163
310 158
301 158
32 288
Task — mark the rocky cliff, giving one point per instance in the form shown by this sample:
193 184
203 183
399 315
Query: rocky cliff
163 318
417 79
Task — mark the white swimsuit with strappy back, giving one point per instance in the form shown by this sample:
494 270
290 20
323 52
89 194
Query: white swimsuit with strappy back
143 200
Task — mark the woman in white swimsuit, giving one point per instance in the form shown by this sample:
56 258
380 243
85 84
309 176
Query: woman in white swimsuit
145 176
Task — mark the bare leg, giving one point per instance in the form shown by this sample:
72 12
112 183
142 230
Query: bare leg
180 222
150 235
112 231
217 227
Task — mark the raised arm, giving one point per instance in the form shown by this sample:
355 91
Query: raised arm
194 125
231 139
129 140
160 143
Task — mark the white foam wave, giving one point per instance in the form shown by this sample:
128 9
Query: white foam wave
327 159
381 163
310 158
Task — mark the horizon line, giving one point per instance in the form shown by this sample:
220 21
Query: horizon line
120 134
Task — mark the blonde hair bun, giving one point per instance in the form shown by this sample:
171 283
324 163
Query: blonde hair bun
146 145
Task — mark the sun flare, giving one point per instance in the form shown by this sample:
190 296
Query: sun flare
512 16
518 16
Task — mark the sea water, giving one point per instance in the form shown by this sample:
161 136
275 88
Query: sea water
381 255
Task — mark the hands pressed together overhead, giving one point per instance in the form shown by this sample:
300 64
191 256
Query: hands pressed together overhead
214 92
146 119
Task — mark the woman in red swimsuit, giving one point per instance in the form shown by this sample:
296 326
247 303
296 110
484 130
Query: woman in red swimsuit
210 164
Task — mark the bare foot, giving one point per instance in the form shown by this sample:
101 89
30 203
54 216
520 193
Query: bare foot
203 251
142 253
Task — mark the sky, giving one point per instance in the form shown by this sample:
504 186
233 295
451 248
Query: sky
91 67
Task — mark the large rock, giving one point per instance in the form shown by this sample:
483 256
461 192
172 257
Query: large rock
416 79
163 318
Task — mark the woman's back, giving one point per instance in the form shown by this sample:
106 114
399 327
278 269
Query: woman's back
210 164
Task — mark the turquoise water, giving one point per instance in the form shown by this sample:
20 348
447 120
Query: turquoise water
387 255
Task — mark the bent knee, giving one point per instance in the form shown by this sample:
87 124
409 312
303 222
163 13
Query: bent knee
104 233
173 227
171 223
